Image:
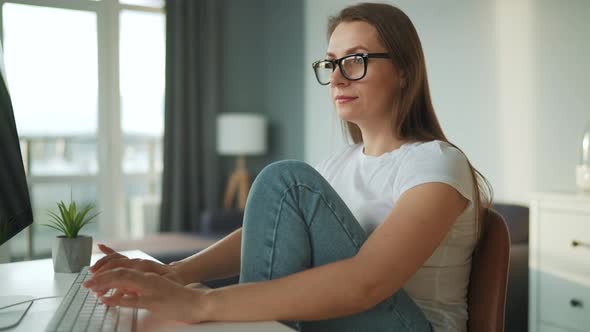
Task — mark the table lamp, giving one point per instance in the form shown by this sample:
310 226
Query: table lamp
241 135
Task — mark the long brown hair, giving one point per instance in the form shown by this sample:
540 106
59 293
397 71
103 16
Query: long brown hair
415 119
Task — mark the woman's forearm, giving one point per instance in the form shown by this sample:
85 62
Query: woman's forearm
323 292
220 260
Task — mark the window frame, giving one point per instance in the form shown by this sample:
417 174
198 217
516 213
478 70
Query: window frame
110 180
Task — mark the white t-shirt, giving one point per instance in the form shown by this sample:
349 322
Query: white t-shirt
370 187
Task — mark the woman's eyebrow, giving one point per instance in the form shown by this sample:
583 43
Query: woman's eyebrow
350 50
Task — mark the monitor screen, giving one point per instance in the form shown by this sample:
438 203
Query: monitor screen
15 204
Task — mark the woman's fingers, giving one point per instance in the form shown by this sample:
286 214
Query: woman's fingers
150 291
130 280
108 258
117 293
106 250
131 301
114 263
135 264
109 255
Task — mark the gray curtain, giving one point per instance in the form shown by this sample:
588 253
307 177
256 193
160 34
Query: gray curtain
190 183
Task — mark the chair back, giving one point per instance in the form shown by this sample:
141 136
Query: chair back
486 296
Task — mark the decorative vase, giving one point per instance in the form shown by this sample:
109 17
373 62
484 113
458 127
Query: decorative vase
583 168
71 255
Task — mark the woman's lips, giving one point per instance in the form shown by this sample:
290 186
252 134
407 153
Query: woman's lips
344 99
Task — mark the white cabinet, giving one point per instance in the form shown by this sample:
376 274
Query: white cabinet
559 262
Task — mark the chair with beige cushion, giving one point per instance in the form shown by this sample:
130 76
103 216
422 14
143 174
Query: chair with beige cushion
489 274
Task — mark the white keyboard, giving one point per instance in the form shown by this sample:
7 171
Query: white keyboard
80 310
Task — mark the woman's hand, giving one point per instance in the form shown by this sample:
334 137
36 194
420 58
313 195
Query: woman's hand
161 296
114 260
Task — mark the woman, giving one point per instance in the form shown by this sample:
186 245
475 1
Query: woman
378 237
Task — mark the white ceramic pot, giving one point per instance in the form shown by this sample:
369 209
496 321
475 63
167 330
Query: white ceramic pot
71 255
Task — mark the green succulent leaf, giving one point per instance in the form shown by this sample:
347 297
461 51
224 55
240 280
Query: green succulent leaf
70 219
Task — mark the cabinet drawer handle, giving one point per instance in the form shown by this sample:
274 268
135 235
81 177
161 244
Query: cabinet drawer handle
576 303
576 243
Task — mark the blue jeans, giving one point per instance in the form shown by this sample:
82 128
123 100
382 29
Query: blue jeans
294 220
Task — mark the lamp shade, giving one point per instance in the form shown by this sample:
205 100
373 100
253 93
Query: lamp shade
241 134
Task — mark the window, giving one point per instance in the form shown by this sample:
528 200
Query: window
142 101
87 83
150 3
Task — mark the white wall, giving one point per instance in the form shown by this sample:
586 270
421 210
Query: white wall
510 82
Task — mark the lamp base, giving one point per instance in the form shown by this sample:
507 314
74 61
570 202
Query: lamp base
238 184
583 178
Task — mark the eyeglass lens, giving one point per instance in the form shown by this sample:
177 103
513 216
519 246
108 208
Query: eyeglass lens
352 67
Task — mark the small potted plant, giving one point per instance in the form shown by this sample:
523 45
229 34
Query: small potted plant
71 251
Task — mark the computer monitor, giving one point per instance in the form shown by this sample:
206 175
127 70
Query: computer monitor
15 204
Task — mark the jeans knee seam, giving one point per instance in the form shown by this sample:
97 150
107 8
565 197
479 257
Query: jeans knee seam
274 232
323 198
276 223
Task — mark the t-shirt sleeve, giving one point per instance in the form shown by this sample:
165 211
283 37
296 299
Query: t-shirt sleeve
435 161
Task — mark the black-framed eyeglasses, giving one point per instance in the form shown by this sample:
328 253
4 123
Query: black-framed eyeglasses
353 66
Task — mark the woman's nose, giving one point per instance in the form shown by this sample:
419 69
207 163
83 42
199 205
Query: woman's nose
336 78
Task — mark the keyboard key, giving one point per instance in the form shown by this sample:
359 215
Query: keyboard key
72 314
97 317
85 313
111 319
82 275
126 318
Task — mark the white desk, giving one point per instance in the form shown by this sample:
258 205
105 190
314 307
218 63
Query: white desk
37 279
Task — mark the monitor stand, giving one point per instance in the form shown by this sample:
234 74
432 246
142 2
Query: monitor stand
10 317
